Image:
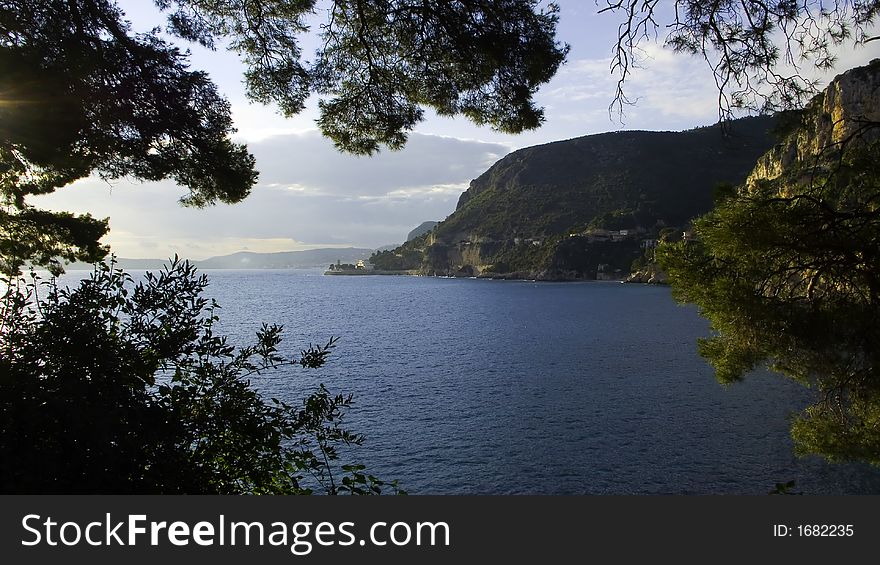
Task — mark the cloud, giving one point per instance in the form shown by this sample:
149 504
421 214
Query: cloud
677 85
308 195
668 89
258 122
582 80
309 162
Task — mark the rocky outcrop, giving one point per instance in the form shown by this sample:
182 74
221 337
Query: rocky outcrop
651 274
831 118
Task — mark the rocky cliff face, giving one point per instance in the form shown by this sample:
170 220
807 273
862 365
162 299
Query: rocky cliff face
650 274
836 114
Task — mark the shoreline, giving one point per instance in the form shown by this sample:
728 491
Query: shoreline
365 272
517 276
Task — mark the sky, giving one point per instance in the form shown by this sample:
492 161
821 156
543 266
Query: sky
309 195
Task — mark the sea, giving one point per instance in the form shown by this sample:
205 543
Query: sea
472 386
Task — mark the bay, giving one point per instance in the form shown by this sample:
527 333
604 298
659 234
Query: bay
466 386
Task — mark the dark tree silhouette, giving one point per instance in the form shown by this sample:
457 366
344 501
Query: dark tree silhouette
116 387
787 269
80 93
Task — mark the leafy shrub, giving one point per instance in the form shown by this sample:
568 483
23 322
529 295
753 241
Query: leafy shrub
117 387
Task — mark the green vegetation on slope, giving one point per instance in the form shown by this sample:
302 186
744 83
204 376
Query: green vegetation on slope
552 208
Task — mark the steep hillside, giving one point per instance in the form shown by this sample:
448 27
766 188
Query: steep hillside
557 210
550 188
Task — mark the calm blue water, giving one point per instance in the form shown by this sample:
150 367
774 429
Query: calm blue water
498 387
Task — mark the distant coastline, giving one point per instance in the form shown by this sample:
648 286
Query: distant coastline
362 272
634 278
304 259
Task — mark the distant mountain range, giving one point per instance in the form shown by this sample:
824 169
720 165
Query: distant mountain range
249 260
286 259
